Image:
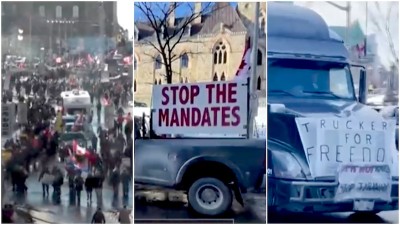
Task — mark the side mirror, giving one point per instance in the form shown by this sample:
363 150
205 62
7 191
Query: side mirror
362 91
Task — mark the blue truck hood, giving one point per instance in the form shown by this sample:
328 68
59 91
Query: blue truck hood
324 107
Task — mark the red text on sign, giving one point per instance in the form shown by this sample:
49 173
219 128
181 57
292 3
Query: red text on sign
180 95
225 116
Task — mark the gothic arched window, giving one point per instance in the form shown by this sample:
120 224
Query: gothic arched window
259 83
184 61
259 58
157 62
134 86
215 78
222 77
220 54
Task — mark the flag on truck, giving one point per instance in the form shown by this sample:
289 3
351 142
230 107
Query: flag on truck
245 66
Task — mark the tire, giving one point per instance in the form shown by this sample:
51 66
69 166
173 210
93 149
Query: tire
215 189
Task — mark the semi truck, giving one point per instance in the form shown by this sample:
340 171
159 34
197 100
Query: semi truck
309 76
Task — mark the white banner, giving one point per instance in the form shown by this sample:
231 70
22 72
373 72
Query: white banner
7 119
329 142
364 181
109 114
190 109
22 113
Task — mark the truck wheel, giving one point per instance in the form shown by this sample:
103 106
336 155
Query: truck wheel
210 196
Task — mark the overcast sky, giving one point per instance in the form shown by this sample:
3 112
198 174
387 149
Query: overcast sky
125 15
336 17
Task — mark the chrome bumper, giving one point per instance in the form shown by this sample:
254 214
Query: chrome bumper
318 196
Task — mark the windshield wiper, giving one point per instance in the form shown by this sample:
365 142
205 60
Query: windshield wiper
323 92
281 91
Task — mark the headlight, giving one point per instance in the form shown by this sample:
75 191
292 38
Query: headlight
286 166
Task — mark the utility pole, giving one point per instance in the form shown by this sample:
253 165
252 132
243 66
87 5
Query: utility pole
253 106
347 9
102 31
30 38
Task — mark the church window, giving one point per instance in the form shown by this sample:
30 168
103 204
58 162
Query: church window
215 78
223 76
220 54
259 58
157 62
259 83
184 61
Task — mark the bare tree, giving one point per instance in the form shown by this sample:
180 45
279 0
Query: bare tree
382 23
167 35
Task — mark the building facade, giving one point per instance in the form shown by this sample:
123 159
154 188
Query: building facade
54 25
211 49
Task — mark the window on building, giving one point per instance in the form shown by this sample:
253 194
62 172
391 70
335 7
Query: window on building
157 62
134 86
259 58
42 11
222 77
180 80
135 64
220 54
159 81
75 11
184 61
155 81
186 80
215 78
58 11
259 83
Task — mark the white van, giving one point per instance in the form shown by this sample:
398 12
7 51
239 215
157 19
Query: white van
76 101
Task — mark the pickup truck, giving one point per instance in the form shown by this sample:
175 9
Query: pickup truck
212 171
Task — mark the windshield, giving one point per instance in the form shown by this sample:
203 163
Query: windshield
75 111
66 137
307 78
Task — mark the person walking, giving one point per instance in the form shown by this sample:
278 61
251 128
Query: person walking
89 188
124 216
45 178
98 216
78 187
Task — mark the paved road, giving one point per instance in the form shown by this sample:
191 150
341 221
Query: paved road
391 217
46 210
169 212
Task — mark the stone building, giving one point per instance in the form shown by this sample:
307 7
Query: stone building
54 25
211 49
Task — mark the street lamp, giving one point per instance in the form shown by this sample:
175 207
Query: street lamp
347 9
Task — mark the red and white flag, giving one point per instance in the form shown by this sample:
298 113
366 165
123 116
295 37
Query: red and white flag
78 149
90 59
245 66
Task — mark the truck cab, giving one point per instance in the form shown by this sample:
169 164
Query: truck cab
309 75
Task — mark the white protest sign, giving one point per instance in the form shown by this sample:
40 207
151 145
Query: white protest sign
329 142
190 109
368 181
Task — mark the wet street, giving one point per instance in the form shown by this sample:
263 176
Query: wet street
391 217
169 212
45 211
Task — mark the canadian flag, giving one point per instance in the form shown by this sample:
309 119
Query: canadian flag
105 101
79 120
244 68
90 59
78 149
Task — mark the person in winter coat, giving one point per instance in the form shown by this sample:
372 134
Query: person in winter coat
125 179
124 216
89 187
79 187
45 186
98 217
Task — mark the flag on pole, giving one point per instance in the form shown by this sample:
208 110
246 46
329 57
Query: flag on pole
245 66
78 149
